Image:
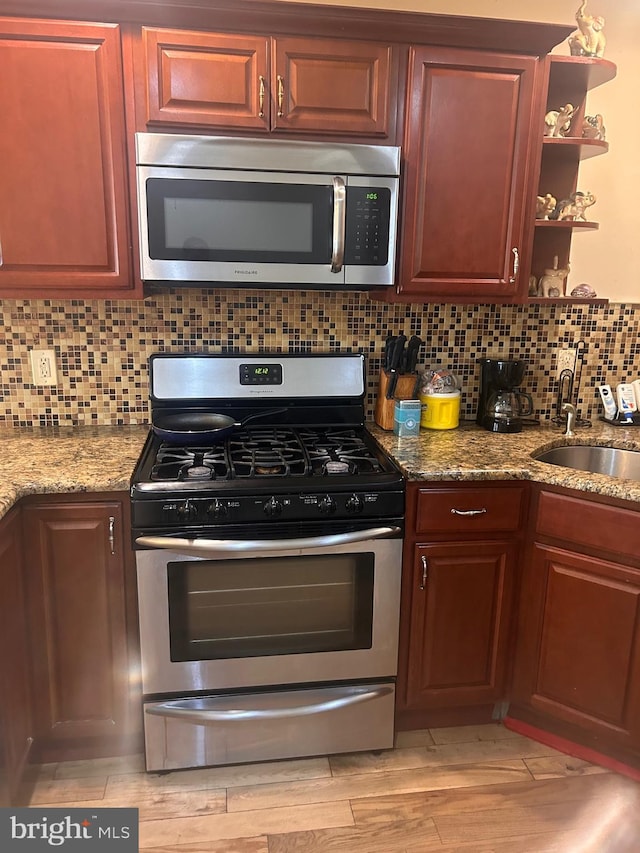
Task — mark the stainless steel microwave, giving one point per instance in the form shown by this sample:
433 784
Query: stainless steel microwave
266 213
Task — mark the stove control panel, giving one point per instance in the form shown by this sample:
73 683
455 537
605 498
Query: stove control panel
205 511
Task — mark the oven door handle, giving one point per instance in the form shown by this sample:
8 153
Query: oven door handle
205 710
215 547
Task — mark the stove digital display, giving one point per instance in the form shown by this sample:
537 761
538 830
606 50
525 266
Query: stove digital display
261 374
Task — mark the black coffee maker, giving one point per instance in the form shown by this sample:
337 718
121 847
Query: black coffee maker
502 405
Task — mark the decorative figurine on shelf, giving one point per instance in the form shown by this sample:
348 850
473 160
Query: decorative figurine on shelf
593 128
533 285
552 283
583 291
558 122
589 40
573 208
545 206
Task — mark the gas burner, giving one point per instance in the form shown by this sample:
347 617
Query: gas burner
189 463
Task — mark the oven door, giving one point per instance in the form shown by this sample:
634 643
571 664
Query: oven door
221 615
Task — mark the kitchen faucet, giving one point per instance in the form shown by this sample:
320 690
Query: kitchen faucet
570 409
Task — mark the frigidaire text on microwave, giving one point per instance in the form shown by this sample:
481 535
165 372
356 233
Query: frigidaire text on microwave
266 213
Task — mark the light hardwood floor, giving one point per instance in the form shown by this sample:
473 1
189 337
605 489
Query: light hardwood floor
473 788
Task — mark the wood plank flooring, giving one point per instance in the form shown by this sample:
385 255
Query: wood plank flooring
470 789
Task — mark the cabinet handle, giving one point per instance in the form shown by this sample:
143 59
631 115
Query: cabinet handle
516 265
425 568
468 511
280 95
1 256
112 534
261 97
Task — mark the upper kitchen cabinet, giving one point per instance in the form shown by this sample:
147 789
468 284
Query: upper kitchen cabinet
257 83
570 78
467 169
64 219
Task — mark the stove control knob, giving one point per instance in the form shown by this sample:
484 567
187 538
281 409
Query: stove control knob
187 511
217 510
354 504
272 508
327 505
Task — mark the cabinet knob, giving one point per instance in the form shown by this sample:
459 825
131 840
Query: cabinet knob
261 96
425 569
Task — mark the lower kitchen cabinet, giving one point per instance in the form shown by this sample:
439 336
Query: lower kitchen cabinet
15 693
81 612
459 583
577 671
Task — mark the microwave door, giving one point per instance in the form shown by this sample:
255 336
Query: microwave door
241 227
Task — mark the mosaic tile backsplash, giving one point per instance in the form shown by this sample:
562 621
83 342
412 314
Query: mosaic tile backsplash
102 347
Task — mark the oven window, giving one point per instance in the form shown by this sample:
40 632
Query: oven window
270 606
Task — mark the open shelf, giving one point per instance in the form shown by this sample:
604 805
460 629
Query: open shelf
570 78
567 224
582 72
568 145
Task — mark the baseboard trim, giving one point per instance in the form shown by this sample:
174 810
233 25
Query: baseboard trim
576 750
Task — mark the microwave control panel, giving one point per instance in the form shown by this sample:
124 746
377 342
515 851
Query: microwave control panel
367 226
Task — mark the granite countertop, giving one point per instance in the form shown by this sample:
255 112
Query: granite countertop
472 453
56 460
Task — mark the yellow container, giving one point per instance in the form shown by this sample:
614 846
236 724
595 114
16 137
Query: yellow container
440 411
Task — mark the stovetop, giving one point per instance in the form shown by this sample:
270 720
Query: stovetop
267 451
310 460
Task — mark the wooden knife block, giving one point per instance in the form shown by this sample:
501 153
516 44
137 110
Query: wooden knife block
405 387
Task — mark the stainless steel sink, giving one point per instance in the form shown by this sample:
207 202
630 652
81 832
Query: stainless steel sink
599 460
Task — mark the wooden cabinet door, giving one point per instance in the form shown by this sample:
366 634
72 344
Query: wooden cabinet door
312 86
331 86
77 581
460 620
206 79
15 697
466 234
580 645
64 220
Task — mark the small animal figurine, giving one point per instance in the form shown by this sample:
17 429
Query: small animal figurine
589 40
593 127
552 283
545 205
558 122
574 207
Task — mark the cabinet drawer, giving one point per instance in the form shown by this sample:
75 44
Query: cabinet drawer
589 523
484 509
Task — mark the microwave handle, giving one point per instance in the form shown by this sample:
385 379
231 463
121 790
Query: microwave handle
339 220
215 547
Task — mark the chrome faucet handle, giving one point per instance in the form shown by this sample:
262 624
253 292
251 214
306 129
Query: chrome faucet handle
570 409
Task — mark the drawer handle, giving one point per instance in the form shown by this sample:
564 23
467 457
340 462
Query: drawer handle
425 568
468 511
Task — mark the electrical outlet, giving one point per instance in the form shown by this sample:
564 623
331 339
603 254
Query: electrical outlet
566 360
43 367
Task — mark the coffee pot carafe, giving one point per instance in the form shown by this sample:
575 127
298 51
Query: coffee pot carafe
502 404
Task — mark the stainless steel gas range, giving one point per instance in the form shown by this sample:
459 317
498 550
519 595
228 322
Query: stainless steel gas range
268 531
